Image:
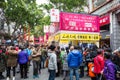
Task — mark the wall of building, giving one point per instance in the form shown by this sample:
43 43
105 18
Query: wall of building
110 8
115 33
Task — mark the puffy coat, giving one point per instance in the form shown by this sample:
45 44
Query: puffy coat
109 70
23 57
12 58
74 59
98 64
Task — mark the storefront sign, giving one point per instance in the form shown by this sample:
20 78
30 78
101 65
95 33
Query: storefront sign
79 22
64 41
57 37
80 36
104 20
46 29
54 15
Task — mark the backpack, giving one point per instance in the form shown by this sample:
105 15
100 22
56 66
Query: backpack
91 69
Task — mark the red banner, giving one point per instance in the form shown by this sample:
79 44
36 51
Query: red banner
104 20
79 22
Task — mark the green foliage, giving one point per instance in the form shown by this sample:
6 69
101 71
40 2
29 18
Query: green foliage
2 4
69 5
25 13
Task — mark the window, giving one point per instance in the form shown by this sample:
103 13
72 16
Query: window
97 3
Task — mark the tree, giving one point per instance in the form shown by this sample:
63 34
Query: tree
24 13
69 5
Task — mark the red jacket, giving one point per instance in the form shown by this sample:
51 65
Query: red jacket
98 64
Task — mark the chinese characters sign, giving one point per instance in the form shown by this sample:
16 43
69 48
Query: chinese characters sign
104 20
79 22
54 15
94 37
46 29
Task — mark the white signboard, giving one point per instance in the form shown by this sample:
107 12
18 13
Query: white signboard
46 29
54 15
52 29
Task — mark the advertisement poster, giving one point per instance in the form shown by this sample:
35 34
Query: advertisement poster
79 22
46 29
54 15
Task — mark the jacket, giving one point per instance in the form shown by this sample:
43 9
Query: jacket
109 70
65 64
12 58
23 57
74 59
52 65
35 55
29 52
2 61
98 64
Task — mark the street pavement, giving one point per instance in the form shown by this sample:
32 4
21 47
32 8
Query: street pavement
43 76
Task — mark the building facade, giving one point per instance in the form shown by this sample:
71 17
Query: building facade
109 12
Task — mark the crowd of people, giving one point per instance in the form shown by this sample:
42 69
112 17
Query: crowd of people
101 64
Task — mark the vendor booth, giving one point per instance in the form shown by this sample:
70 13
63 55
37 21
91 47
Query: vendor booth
77 28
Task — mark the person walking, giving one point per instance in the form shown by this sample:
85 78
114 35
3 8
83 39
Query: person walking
36 62
52 65
109 68
65 64
59 62
43 56
99 64
74 60
23 61
11 62
2 63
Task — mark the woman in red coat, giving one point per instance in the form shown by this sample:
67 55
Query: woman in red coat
99 64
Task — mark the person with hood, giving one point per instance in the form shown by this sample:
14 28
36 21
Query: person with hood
23 60
109 68
52 65
74 60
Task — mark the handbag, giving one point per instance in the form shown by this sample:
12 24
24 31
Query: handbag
46 63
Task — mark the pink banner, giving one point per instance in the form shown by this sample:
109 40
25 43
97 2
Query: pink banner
79 22
41 39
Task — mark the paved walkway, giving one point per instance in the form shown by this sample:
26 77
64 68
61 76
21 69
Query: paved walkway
43 76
